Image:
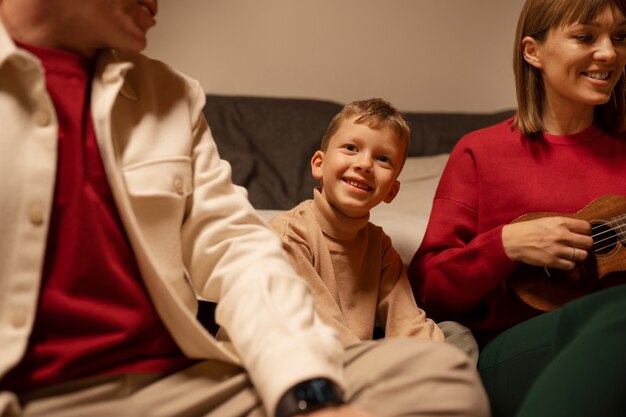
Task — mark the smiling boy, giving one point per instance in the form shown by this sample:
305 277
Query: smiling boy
357 278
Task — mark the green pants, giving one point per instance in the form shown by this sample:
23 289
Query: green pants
568 362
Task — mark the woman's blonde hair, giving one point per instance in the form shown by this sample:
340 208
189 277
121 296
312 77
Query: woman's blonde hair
536 19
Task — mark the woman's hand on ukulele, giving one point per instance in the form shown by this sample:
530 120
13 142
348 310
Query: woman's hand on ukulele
553 242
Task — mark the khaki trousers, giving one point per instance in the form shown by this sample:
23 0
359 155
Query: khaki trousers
390 377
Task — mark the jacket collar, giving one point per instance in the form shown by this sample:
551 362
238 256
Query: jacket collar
113 66
6 43
7 46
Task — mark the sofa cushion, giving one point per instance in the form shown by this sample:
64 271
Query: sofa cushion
406 217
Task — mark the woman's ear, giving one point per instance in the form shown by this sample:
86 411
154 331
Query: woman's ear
530 50
393 192
316 165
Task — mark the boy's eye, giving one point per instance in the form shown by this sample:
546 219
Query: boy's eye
350 147
384 159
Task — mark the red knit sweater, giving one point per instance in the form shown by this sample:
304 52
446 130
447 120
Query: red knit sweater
493 176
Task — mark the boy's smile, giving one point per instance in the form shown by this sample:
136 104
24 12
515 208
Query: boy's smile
359 168
358 184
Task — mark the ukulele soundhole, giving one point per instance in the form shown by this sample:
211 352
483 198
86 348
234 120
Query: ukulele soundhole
604 238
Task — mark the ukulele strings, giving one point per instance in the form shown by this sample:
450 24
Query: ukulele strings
615 232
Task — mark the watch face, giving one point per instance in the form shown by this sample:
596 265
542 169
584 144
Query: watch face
317 391
309 396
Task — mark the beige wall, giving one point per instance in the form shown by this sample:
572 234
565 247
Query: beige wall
422 55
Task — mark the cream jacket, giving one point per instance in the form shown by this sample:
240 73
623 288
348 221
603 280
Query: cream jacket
193 232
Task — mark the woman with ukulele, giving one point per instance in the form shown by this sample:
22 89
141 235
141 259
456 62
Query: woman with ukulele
479 260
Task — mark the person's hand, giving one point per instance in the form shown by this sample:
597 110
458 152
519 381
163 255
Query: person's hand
343 411
553 242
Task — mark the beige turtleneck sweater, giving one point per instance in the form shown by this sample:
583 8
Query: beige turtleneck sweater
357 278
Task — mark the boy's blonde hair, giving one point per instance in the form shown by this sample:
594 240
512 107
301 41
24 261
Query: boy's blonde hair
375 113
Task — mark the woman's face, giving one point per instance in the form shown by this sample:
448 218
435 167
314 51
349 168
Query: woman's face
580 63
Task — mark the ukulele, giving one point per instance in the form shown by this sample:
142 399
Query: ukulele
546 289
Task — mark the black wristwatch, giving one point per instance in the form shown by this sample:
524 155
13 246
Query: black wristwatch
309 396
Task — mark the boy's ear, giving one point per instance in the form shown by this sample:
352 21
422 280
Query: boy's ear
530 49
316 165
393 192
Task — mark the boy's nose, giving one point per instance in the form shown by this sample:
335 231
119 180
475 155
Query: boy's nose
364 164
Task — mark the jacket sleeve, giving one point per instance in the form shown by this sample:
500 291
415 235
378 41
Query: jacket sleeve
456 266
235 259
397 309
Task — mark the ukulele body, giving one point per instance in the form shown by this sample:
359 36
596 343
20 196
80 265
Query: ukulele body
548 289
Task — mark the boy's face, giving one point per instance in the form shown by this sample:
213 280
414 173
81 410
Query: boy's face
359 168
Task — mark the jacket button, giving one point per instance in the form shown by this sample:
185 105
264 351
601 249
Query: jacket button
42 118
36 214
18 318
179 186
